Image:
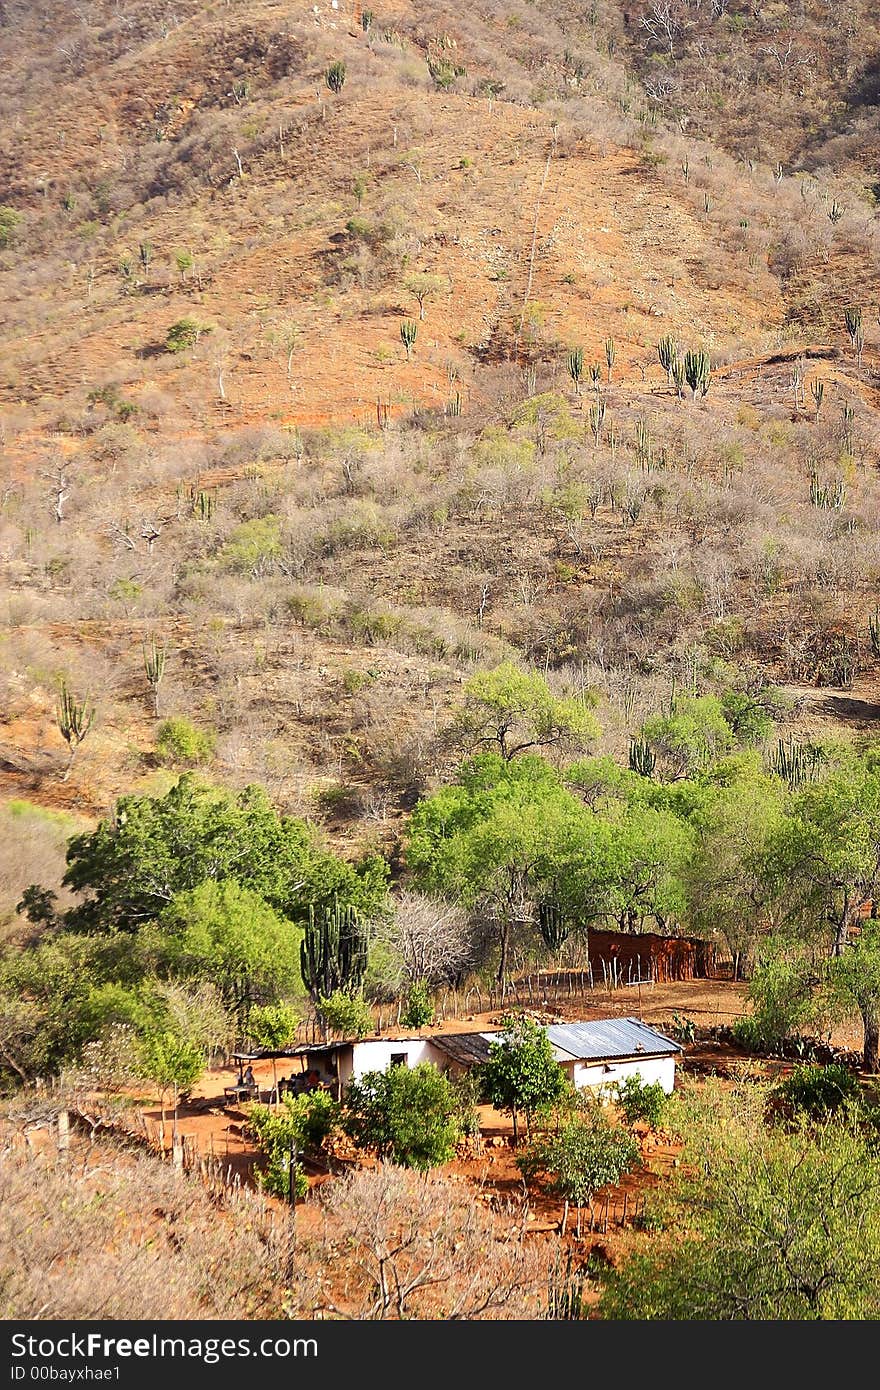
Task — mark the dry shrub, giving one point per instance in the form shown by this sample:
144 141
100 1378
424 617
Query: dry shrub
399 1245
105 1232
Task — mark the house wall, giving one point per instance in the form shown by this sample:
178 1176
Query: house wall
649 1069
375 1054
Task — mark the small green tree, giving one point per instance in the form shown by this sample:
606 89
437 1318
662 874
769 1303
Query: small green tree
180 744
408 1116
585 1154
516 710
173 1063
521 1074
272 1026
335 77
346 1012
183 334
296 1128
422 285
853 982
641 1100
419 1011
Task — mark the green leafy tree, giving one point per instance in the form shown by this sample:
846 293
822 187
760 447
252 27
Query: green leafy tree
521 1074
298 1127
762 1225
150 849
173 1063
853 982
410 1116
346 1012
514 711
691 736
422 285
181 744
585 1154
507 836
641 1100
729 885
228 934
184 334
272 1026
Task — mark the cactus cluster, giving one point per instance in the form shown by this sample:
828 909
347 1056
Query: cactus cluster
667 351
697 371
553 925
642 758
408 334
335 77
597 418
825 495
154 668
576 367
796 763
333 951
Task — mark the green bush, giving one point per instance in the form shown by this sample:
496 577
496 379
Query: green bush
641 1100
346 1013
9 220
183 334
419 1010
819 1091
180 743
409 1116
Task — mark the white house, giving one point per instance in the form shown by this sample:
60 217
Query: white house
592 1054
608 1050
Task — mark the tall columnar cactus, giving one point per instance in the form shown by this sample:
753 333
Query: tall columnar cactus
817 391
597 418
609 355
576 367
553 925
874 630
644 443
642 758
667 351
596 374
796 763
75 718
333 951
678 377
852 317
154 668
408 334
697 371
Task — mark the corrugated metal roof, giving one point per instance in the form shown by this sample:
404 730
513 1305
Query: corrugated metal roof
467 1048
607 1038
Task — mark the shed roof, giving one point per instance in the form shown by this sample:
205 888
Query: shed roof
608 1038
467 1048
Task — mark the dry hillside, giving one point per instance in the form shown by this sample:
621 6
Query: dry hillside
326 533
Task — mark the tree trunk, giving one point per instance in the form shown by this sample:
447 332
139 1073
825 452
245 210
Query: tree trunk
871 1049
515 1130
505 951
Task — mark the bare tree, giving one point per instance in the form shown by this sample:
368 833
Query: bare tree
431 938
662 22
415 1247
59 480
